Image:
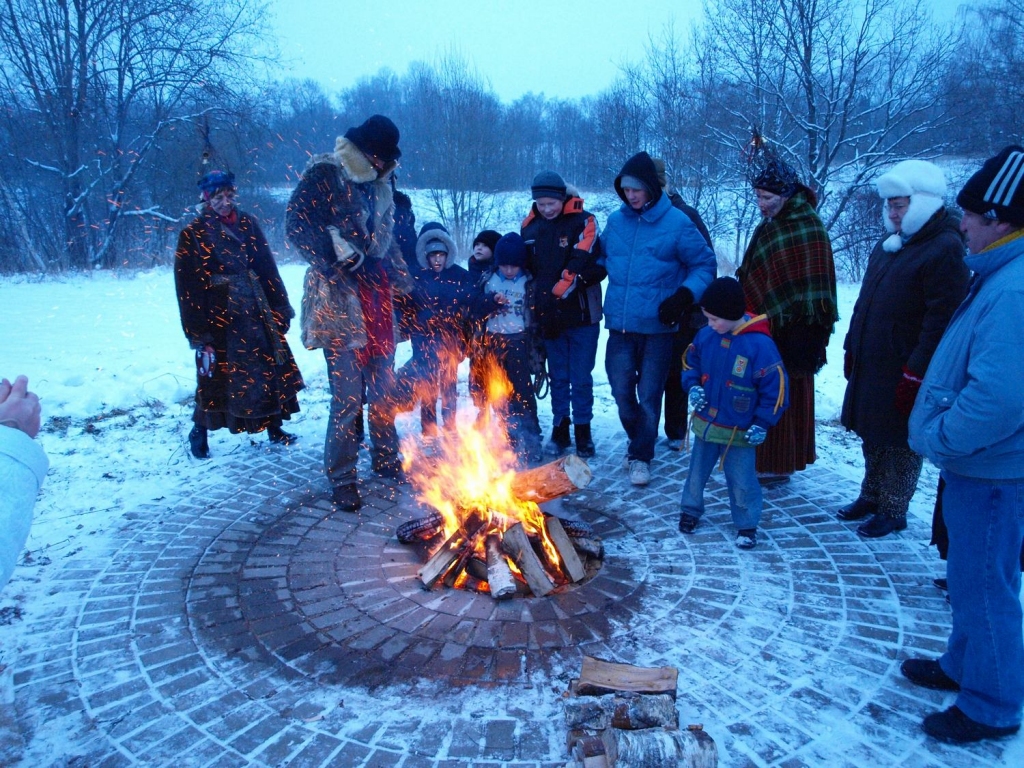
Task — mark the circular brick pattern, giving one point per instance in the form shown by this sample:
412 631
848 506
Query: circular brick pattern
249 623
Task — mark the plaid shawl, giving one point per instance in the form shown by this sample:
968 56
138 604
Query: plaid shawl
787 271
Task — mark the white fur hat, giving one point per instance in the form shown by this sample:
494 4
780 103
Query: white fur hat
924 183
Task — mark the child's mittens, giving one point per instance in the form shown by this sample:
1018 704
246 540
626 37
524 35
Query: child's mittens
698 398
756 435
566 285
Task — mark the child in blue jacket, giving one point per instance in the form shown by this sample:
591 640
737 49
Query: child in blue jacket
738 389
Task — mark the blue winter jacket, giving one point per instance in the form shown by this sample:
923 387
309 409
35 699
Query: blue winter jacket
649 255
743 377
969 415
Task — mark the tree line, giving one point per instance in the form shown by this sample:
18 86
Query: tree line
110 110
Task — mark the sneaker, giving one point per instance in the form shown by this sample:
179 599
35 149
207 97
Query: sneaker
687 523
928 674
857 510
673 444
639 472
747 538
346 497
881 525
278 436
584 441
559 441
955 727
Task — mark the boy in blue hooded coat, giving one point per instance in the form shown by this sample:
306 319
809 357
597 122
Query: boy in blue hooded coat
737 390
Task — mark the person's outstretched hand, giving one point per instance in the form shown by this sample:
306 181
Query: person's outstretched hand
19 408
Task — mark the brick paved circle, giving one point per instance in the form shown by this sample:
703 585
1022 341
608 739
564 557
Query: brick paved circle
248 623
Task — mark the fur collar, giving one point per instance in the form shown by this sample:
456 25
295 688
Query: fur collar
356 165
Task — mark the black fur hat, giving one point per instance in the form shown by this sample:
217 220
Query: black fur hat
377 136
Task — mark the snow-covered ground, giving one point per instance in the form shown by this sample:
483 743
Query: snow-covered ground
106 354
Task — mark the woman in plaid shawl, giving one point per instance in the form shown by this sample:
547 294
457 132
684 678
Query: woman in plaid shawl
788 274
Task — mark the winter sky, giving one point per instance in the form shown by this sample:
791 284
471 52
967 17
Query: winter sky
563 50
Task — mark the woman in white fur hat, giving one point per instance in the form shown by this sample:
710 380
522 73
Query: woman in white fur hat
915 279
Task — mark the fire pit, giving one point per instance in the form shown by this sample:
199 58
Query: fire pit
487 532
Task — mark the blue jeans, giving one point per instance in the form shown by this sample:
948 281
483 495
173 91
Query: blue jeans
745 496
346 377
985 653
571 357
637 365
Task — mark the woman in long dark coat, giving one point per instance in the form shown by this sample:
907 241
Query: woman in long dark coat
915 280
235 312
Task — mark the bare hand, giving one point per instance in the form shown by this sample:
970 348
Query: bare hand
19 408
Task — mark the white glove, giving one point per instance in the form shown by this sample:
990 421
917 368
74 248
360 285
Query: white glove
348 257
698 398
756 435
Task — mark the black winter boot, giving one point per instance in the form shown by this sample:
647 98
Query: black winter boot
197 442
279 437
559 441
584 442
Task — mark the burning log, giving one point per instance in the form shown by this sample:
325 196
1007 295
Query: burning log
499 576
449 552
420 529
516 544
592 547
553 480
571 563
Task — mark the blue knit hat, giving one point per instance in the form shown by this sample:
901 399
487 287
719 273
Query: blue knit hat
510 250
216 180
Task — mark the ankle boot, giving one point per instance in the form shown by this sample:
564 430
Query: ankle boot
197 442
279 437
584 442
559 438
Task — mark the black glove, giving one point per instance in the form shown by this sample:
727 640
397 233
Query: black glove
672 309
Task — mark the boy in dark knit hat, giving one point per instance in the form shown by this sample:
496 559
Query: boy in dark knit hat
737 384
506 343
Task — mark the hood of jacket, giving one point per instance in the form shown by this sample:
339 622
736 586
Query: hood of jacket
430 235
642 167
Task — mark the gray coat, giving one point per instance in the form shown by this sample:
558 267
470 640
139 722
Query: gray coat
905 303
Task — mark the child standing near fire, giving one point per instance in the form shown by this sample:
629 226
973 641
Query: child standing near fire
507 341
738 390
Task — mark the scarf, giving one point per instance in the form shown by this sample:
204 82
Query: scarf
378 320
787 271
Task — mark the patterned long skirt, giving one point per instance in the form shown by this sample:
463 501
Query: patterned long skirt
789 446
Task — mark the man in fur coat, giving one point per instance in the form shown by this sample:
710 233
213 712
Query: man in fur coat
340 218
916 278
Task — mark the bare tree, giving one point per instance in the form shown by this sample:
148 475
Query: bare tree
842 87
103 81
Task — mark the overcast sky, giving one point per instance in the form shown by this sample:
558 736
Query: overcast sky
560 49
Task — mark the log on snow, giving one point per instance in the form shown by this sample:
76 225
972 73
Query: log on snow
629 712
657 748
600 677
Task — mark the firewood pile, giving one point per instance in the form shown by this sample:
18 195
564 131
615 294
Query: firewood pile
621 715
